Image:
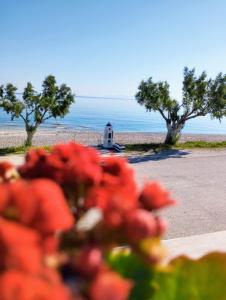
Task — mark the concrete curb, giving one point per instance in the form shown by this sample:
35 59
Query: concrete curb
196 246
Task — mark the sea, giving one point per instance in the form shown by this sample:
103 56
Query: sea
126 115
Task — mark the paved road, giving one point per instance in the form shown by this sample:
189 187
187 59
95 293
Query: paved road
196 246
16 159
197 180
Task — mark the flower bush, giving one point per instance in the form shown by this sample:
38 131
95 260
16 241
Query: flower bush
74 225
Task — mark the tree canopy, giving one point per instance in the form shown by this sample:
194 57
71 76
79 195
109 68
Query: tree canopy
35 108
200 96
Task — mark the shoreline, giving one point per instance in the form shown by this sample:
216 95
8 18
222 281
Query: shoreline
10 138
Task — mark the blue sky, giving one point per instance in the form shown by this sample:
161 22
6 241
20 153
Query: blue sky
106 47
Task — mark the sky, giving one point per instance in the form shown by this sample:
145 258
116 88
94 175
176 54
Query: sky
106 47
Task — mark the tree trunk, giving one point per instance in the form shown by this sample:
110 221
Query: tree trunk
30 134
173 133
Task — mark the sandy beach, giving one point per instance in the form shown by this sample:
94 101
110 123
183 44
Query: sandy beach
10 137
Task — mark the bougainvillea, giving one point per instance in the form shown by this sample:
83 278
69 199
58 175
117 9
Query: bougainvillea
61 216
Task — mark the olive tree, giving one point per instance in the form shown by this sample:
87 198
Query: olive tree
201 96
35 108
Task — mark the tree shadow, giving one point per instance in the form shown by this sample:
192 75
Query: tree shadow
165 154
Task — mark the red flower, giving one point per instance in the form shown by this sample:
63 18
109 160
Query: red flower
114 201
7 171
66 164
33 212
161 226
39 203
153 196
116 171
16 285
35 163
110 286
20 247
116 194
50 243
139 225
53 213
89 261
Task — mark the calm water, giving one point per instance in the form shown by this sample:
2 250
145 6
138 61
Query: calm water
125 115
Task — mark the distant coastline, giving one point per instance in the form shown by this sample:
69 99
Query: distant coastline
11 137
124 115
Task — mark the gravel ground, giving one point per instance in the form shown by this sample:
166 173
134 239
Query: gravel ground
49 137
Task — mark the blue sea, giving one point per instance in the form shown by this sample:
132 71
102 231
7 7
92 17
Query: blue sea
125 115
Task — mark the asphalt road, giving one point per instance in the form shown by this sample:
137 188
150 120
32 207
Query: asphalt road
197 180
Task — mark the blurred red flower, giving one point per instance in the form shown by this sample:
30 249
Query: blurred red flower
139 225
66 164
109 285
17 285
33 212
39 203
89 261
20 247
7 171
153 196
116 194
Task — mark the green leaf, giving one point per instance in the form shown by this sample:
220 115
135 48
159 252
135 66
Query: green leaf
182 279
203 279
35 108
132 267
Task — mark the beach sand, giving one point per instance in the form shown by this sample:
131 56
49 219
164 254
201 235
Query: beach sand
10 137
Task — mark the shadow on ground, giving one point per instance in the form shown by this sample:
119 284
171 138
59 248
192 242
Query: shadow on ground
172 153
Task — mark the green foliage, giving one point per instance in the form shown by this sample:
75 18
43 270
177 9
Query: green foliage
200 144
21 149
35 108
144 147
9 101
193 279
201 96
218 96
132 267
182 279
157 147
